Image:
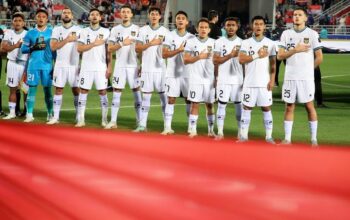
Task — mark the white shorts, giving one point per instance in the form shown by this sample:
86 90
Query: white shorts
14 73
229 92
256 96
201 93
175 86
302 91
61 75
151 81
121 75
87 78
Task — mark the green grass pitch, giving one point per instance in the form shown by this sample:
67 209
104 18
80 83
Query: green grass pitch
334 121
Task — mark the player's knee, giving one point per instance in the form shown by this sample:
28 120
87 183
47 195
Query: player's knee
171 100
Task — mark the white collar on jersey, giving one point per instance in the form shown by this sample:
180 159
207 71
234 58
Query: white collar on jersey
202 40
156 28
181 35
299 31
71 25
18 32
126 26
95 29
253 36
231 38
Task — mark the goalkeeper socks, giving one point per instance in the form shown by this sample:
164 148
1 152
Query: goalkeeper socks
31 99
48 100
57 102
268 122
115 106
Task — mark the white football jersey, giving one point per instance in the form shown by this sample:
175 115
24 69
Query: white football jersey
95 58
202 71
67 56
126 56
12 38
300 66
152 59
175 64
230 72
257 72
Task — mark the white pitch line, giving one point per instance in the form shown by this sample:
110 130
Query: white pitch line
332 76
336 85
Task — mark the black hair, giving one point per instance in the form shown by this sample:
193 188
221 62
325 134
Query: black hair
18 15
301 9
181 13
154 9
41 10
94 9
203 20
258 17
212 14
126 6
232 19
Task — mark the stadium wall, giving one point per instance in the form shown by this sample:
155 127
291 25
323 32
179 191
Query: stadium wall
192 8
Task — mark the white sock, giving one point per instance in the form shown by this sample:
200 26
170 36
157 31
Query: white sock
146 104
104 106
193 123
288 125
313 130
81 106
169 111
188 109
220 115
76 100
12 107
115 106
268 122
137 104
211 121
245 122
238 108
57 102
163 101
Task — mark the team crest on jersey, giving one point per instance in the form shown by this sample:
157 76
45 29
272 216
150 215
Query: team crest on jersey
209 48
74 33
133 33
306 40
265 47
100 36
161 37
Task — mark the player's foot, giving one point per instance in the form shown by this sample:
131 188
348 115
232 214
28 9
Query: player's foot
167 131
211 134
49 117
219 137
9 116
270 141
314 143
18 113
104 123
53 121
242 139
193 134
285 142
140 129
2 113
111 125
29 119
80 124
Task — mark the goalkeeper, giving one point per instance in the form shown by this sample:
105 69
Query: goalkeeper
36 43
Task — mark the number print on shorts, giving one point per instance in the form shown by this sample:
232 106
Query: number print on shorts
286 93
116 80
168 87
30 77
142 83
82 81
10 80
192 94
246 97
221 93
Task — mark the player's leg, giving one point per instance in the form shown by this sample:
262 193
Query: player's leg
306 91
46 82
12 81
59 81
12 103
195 97
289 97
209 99
265 102
184 86
18 102
33 78
313 123
236 97
147 89
134 84
223 97
73 80
85 84
75 92
249 101
101 83
172 88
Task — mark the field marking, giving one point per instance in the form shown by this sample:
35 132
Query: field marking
332 76
127 106
336 85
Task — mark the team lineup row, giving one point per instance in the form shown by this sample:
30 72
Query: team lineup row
172 63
